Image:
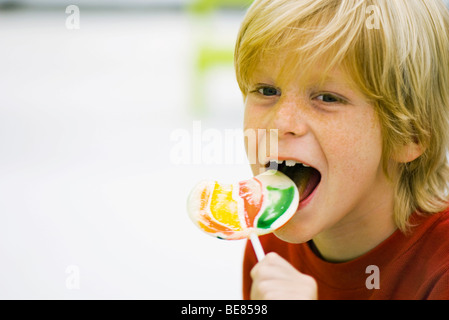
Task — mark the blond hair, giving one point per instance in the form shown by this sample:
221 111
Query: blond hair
396 53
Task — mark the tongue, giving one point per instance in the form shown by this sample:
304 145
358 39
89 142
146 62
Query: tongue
306 179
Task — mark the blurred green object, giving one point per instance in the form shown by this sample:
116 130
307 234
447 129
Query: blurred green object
207 57
208 53
207 6
210 56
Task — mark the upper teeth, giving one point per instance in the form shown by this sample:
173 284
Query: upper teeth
290 163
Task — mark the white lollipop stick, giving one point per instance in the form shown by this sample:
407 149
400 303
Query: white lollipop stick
260 254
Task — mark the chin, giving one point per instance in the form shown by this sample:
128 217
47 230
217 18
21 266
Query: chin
290 235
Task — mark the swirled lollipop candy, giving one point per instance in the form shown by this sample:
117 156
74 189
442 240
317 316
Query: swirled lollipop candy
245 209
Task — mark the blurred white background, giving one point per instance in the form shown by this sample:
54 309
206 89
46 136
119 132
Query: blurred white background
92 205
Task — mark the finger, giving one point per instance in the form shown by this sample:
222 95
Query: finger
275 259
271 260
272 265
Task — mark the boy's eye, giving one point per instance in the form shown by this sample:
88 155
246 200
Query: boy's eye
328 98
268 91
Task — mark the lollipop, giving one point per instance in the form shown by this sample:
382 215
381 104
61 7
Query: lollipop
245 209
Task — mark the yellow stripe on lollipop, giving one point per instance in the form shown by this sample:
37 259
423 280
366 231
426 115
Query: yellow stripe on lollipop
224 208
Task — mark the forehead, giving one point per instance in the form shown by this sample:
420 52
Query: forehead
285 68
309 35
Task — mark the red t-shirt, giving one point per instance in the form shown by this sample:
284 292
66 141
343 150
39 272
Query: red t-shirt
413 266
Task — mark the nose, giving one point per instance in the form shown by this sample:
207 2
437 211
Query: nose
288 118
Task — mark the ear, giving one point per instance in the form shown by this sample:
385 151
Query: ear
408 152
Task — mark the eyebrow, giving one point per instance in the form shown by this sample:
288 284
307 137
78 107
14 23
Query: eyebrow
340 81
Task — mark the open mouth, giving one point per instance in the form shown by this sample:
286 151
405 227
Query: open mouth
305 177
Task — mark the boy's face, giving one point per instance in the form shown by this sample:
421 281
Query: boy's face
331 128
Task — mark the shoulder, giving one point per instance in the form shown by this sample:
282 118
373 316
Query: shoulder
432 252
440 287
436 230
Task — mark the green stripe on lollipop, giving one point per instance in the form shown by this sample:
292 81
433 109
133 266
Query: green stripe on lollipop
279 201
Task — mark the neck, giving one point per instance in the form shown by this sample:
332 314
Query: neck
355 236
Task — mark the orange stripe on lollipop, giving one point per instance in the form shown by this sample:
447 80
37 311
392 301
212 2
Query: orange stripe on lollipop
223 208
206 222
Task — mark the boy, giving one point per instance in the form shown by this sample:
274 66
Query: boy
359 94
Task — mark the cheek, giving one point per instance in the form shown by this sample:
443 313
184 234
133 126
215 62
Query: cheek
253 117
253 120
249 125
355 148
